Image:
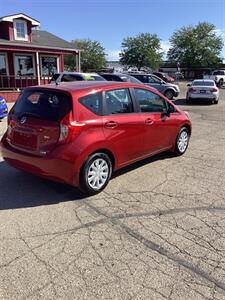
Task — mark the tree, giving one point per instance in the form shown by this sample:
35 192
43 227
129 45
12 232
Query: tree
142 50
197 46
92 55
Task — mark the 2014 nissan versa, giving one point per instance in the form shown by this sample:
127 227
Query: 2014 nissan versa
79 133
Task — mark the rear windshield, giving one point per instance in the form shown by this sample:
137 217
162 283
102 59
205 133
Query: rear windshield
203 83
43 104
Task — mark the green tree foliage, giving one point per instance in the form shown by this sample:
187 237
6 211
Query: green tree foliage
92 55
197 46
142 50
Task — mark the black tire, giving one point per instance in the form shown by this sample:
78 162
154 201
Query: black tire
216 101
220 84
188 100
85 184
169 94
178 149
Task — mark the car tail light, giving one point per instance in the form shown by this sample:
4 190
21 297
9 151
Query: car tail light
214 90
191 90
69 130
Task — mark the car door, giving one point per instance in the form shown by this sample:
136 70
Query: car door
160 129
123 125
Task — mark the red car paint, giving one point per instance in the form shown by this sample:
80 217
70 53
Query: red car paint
46 148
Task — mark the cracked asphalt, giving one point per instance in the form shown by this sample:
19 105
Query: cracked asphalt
156 232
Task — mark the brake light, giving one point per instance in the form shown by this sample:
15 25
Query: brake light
191 90
214 90
69 130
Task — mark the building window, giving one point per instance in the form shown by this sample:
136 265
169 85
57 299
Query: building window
20 30
49 65
3 64
24 65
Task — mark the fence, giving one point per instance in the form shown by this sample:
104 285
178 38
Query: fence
20 82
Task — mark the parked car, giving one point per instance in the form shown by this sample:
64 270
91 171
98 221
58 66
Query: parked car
218 76
3 108
75 76
179 75
80 133
121 77
164 76
203 90
167 89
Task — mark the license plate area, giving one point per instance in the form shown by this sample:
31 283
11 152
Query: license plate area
24 140
202 91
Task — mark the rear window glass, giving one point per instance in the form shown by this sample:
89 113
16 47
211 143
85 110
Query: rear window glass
203 83
43 104
93 102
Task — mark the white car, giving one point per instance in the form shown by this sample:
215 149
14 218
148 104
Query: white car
218 76
75 76
201 89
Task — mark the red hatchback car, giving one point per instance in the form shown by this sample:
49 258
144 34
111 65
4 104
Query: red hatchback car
79 133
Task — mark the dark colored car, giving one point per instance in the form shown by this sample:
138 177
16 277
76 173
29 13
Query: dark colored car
167 89
79 133
164 76
3 108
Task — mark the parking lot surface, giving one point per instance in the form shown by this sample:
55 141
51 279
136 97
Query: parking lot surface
156 232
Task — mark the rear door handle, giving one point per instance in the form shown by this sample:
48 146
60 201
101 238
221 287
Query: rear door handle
149 121
111 124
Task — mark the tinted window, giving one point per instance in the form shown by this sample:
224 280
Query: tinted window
219 73
149 101
111 77
93 102
203 83
43 104
154 79
142 78
71 77
118 102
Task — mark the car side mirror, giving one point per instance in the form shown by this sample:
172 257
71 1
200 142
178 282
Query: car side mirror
165 113
188 84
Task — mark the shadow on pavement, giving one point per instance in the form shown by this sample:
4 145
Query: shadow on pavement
20 190
193 103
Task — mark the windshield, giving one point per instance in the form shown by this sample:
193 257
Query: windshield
203 83
43 104
90 77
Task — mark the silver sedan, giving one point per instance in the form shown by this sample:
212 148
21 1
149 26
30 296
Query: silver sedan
201 89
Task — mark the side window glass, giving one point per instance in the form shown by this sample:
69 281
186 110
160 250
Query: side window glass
93 102
70 77
149 101
118 102
150 79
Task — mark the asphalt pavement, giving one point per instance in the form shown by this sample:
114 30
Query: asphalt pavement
156 232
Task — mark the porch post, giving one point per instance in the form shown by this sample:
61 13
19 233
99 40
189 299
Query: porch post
38 68
78 60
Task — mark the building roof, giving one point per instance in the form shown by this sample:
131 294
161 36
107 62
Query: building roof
42 39
10 18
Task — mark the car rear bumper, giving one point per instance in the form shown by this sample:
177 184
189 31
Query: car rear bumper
49 167
203 96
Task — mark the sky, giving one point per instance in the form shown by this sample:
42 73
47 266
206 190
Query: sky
110 21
